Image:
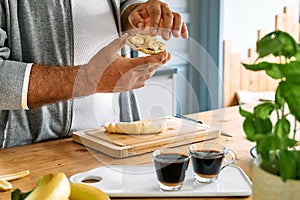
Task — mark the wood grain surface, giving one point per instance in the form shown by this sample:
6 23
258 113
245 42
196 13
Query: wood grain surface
67 156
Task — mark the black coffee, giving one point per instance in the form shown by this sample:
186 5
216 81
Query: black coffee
207 163
170 168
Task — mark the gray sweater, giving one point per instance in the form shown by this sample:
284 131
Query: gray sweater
40 31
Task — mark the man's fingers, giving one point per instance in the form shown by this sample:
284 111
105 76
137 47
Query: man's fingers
184 31
136 18
116 45
167 18
143 79
139 85
156 59
177 25
119 43
138 71
154 66
154 11
156 18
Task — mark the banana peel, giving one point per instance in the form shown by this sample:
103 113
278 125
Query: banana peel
56 186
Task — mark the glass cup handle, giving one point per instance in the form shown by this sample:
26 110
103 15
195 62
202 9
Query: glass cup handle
231 161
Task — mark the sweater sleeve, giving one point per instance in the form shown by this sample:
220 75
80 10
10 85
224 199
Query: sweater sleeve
126 3
12 74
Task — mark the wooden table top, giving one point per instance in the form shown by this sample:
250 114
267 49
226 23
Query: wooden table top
66 156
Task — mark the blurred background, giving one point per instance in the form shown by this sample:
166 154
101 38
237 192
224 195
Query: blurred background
195 79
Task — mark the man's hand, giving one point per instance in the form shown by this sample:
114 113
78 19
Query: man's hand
155 18
107 71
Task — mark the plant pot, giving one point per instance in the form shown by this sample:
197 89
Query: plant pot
267 186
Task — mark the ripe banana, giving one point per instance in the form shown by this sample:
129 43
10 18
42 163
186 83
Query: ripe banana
56 186
81 191
53 186
137 127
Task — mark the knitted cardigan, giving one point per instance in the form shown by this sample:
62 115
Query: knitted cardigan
40 31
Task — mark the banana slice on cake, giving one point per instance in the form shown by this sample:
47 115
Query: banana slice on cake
137 127
145 44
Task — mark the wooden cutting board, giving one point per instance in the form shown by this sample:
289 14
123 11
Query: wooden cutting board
178 132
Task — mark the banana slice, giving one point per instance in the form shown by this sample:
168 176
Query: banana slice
145 44
14 176
137 127
5 185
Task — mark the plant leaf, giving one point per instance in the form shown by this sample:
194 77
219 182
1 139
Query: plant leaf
279 99
282 127
288 165
275 71
17 194
264 110
255 127
263 126
297 55
259 66
291 93
249 129
245 113
266 147
291 69
288 143
297 156
277 43
272 69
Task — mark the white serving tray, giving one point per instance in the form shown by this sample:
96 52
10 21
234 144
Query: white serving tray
140 181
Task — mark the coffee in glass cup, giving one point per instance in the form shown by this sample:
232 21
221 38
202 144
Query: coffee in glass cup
170 166
208 159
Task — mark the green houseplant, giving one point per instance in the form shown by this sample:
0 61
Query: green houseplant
272 125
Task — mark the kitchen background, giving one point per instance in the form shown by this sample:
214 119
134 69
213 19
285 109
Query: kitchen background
193 80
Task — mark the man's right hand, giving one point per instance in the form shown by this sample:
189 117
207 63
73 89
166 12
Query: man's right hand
107 71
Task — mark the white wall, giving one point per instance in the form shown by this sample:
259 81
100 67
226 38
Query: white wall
243 18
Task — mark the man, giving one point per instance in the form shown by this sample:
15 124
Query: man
44 71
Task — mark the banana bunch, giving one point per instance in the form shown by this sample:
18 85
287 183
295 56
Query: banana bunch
56 186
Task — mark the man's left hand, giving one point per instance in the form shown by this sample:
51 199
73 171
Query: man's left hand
156 18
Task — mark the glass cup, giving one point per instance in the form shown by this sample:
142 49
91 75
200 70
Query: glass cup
208 159
170 166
